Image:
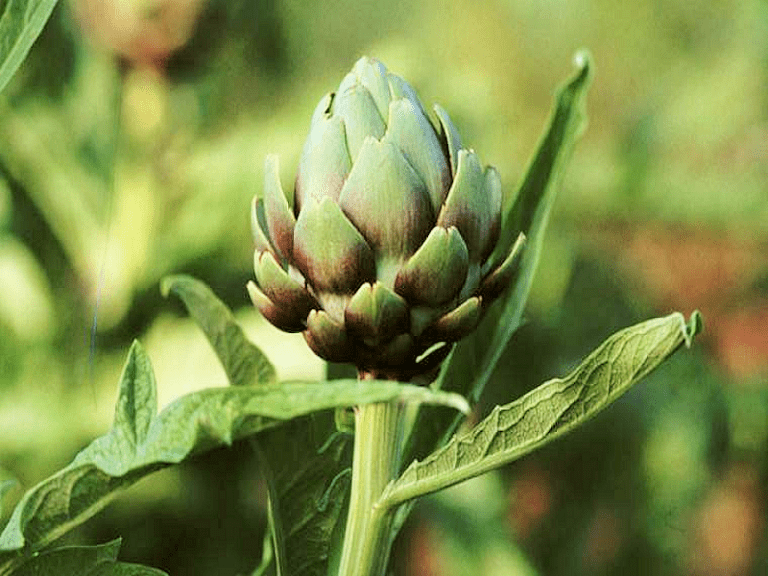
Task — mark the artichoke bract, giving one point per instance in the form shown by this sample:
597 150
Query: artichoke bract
388 254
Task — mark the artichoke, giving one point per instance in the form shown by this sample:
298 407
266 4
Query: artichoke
389 254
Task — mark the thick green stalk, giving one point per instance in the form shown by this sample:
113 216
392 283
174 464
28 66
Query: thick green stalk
376 459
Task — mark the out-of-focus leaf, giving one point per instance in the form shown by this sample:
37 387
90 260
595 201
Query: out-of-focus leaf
5 203
69 561
141 442
26 302
549 411
21 22
37 151
471 363
474 532
243 362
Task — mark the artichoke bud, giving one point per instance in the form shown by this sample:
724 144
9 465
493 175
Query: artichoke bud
384 260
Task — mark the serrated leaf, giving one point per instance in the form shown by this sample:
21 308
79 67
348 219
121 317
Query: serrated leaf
472 361
68 561
196 422
244 363
549 411
21 22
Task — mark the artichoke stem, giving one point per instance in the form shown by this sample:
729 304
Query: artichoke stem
367 539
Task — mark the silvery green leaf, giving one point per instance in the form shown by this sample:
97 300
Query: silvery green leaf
549 411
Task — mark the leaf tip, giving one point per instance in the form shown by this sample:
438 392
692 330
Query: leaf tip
585 67
582 59
693 327
136 349
167 284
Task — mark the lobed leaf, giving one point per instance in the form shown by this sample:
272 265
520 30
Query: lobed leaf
141 442
549 411
21 22
243 362
473 360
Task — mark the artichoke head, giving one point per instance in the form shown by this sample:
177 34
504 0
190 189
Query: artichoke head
389 251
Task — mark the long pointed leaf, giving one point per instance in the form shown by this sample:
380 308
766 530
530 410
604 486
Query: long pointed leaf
244 363
141 442
20 24
472 361
548 411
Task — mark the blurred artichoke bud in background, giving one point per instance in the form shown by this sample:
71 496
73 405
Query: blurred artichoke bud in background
387 253
141 31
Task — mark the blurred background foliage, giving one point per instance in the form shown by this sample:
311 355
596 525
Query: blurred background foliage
132 140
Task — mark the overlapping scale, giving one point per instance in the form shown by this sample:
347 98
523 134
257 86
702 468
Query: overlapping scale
391 210
437 271
278 286
375 314
356 107
467 208
329 251
279 218
277 313
450 136
326 146
457 323
414 135
328 339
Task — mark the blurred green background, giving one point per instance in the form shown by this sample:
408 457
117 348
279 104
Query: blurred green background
132 141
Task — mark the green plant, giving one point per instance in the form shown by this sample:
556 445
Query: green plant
339 490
